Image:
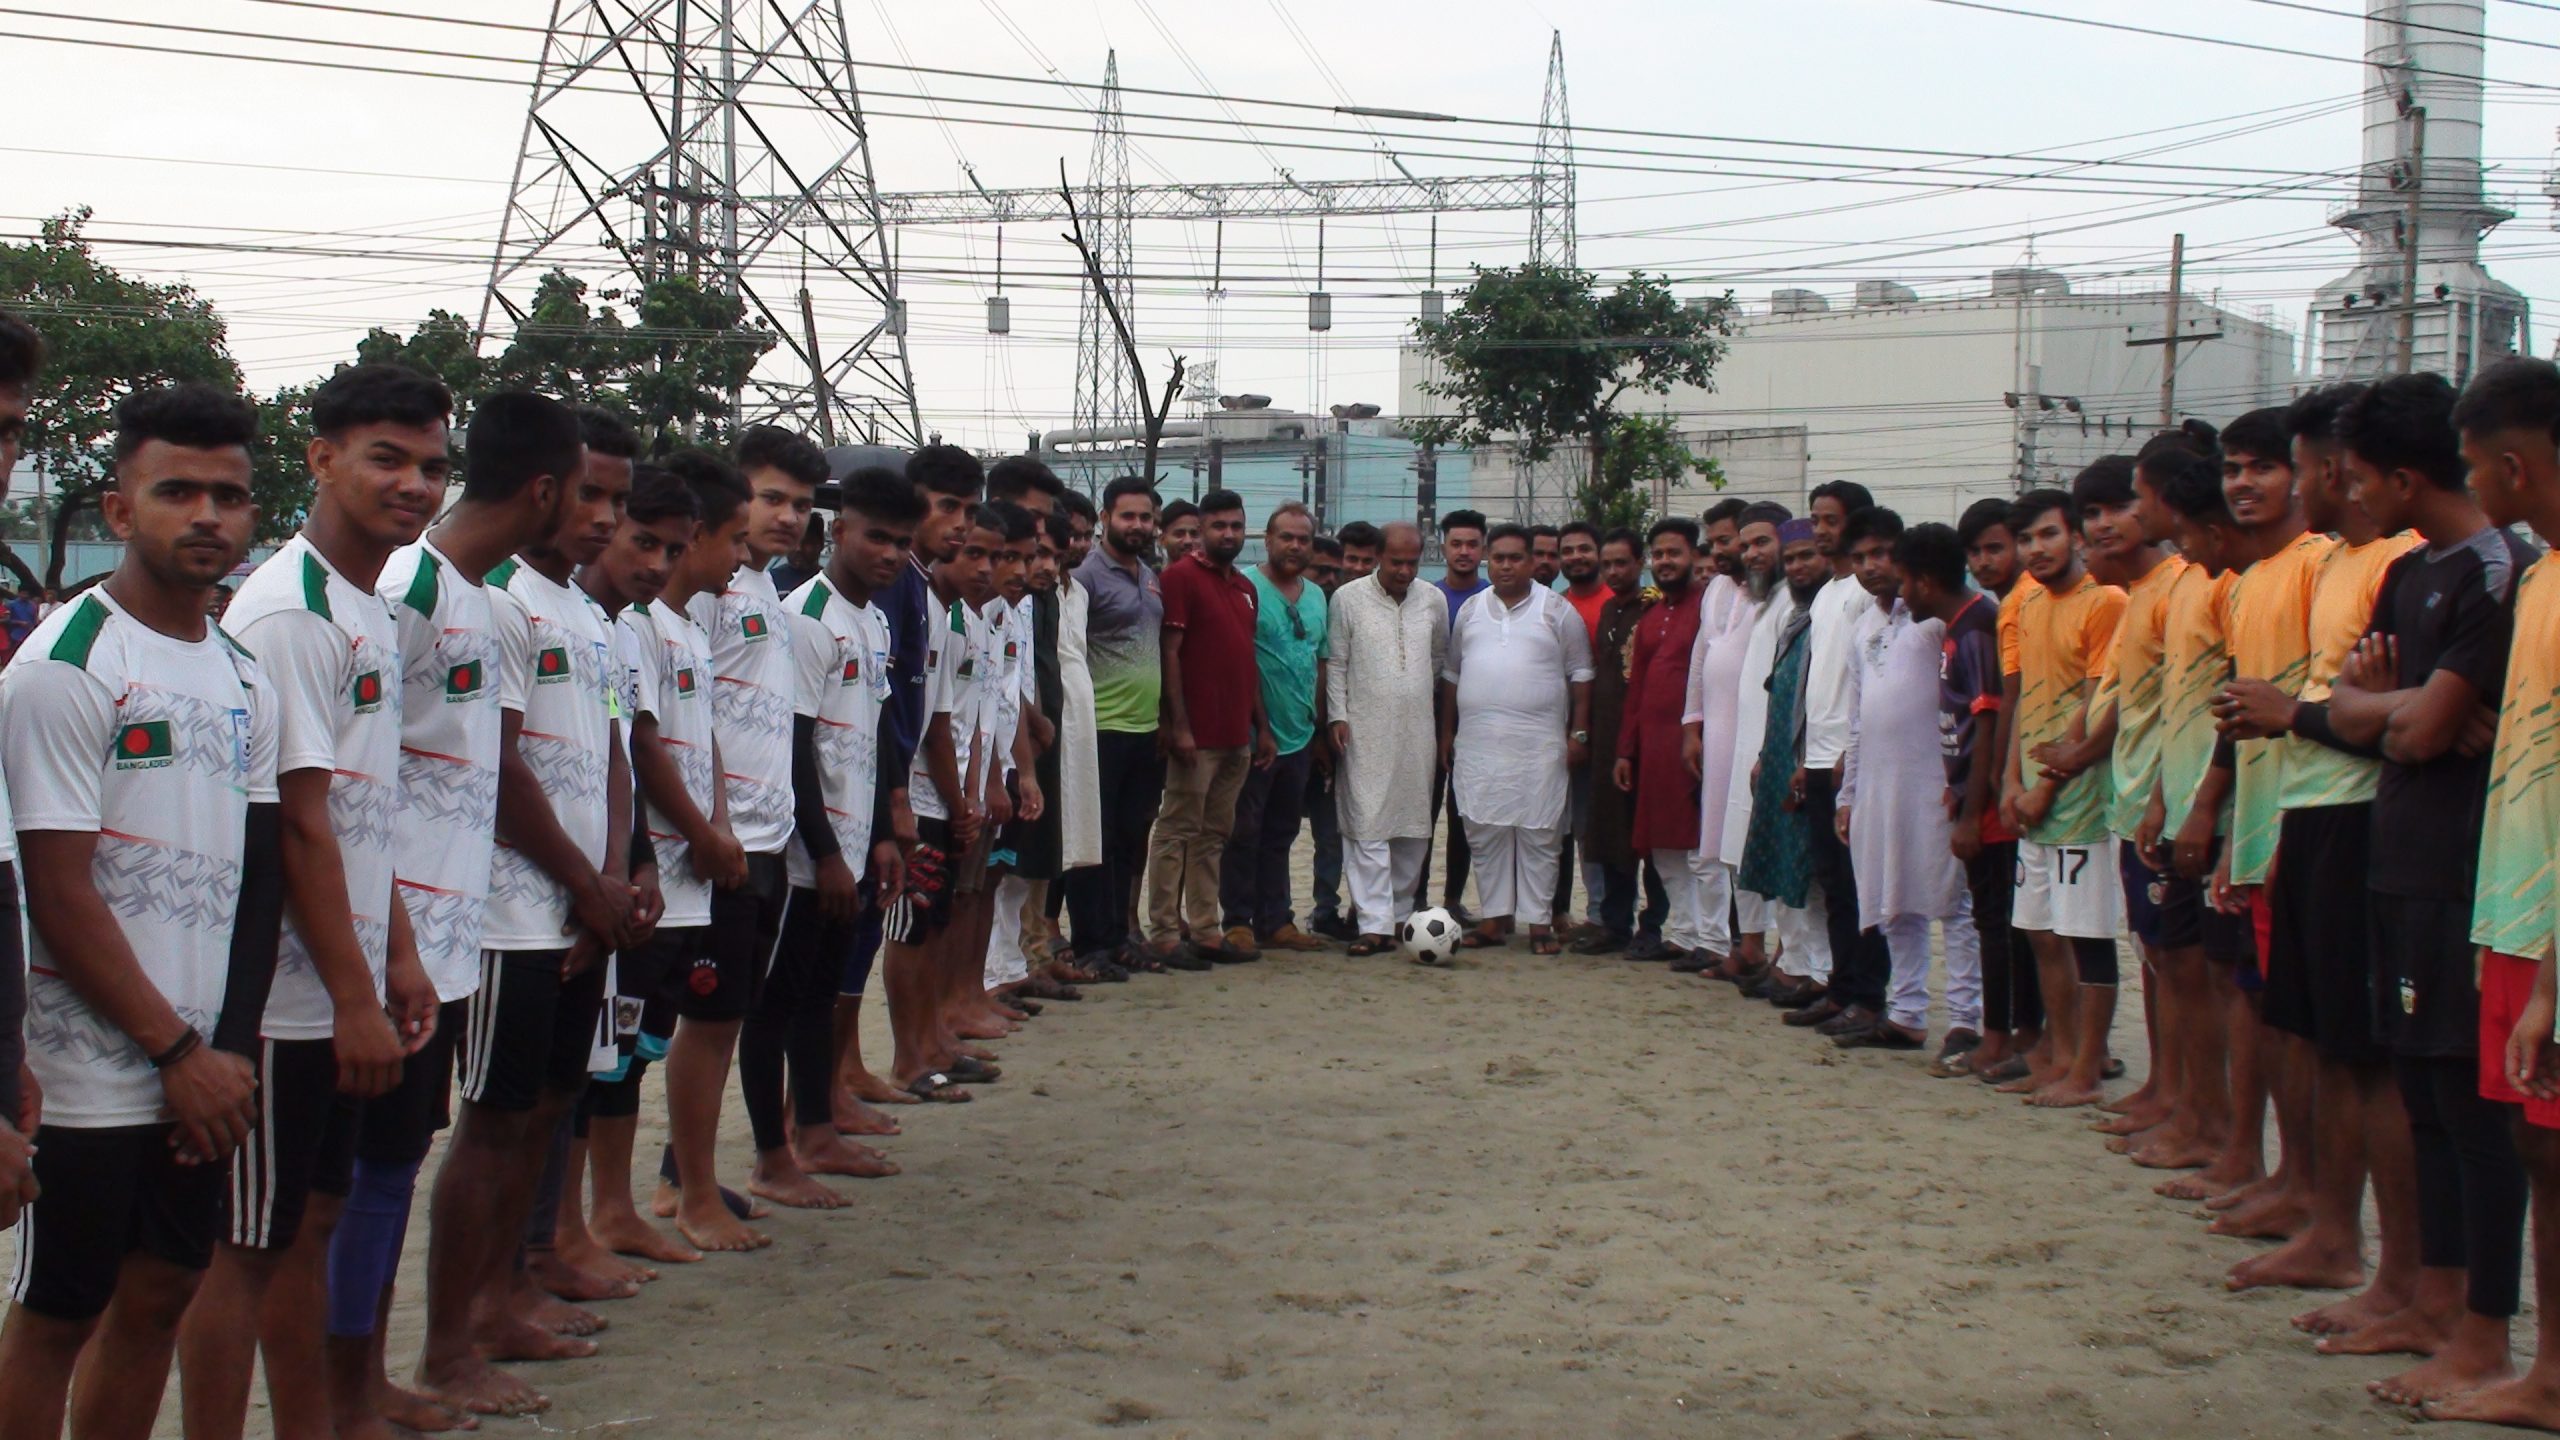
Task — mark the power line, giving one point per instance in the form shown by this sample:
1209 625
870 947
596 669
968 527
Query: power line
2228 43
2359 17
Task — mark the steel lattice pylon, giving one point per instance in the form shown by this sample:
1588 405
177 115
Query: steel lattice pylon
1551 221
1106 391
721 189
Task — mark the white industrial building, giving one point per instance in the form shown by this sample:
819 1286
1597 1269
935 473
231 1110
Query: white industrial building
1934 403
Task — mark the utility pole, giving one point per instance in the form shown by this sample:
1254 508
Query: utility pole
824 392
2416 184
2170 337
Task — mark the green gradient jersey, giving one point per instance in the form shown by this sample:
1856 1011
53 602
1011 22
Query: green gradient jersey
2341 612
2270 640
2197 659
1124 628
2512 911
2133 683
2063 640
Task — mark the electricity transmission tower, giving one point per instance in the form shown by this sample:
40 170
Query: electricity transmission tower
1551 171
1106 393
642 155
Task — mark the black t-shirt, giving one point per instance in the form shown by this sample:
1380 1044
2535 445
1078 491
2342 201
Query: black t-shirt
2451 609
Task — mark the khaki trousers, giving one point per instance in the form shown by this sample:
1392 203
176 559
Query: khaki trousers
1190 839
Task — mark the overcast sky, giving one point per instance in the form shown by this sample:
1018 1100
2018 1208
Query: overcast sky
404 175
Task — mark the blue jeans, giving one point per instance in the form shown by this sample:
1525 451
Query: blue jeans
1253 873
1327 824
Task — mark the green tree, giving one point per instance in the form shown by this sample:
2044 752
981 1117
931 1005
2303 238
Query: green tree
1644 453
107 335
1539 356
442 346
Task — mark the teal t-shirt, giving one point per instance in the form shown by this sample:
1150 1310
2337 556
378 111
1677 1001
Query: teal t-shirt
1288 640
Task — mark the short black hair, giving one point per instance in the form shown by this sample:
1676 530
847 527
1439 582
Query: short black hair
21 352
1114 492
1005 518
2192 437
2260 433
1763 512
192 416
2406 423
1979 516
2191 485
1178 510
1623 535
2517 393
1462 520
1509 531
606 433
2108 481
1545 532
515 438
1853 497
1362 534
2024 510
1078 505
1578 527
947 470
377 394
882 494
770 447
1328 545
1873 523
658 493
2313 415
1219 502
1931 551
1055 524
1728 508
1680 525
718 489
1015 476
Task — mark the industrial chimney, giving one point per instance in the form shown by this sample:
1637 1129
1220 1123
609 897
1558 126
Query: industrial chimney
2419 210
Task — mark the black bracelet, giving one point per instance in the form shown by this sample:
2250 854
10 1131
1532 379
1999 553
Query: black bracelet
185 1046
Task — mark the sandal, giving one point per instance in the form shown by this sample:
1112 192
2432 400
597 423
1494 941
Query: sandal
936 1086
1370 945
1478 940
1546 944
2013 1068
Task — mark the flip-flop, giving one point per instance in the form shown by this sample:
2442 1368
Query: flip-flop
1370 945
939 1087
2007 1070
970 1070
1544 945
2112 1070
1478 940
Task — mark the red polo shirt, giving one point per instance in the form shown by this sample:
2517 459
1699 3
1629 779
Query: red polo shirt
1213 606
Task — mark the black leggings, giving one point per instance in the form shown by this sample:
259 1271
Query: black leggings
2471 1183
795 1021
2012 999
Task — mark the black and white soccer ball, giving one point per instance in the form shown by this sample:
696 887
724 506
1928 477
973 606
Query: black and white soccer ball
1429 937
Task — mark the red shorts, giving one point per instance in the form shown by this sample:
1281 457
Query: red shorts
2506 983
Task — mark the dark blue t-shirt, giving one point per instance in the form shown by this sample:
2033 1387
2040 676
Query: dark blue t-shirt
908 606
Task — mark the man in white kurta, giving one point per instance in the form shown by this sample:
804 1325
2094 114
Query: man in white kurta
1515 721
1894 795
1714 714
1387 637
1808 947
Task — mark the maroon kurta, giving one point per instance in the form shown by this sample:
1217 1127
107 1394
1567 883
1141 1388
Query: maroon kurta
1657 694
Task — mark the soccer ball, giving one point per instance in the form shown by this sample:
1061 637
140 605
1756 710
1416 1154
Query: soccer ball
1430 937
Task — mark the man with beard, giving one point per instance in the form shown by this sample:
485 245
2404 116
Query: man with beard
1124 615
1388 637
1722 529
1546 555
1803 972
1777 848
1578 562
1858 987
1716 699
1608 816
1215 730
1289 652
1650 734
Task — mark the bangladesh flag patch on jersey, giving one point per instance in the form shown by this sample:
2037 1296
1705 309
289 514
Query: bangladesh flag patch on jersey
684 681
551 666
852 670
751 625
368 692
143 745
463 681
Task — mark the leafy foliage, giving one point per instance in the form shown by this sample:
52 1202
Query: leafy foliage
1538 356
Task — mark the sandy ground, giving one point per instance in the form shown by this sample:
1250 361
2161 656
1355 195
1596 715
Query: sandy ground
1328 1197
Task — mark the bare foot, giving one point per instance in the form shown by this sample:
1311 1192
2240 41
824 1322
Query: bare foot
2407 1331
823 1154
515 1339
406 1409
870 1089
592 1257
2351 1314
2170 1151
2242 1190
564 1277
976 1027
786 1185
625 1233
2308 1261
2064 1095
2474 1358
559 1317
853 1117
2279 1218
2128 1143
2130 1122
473 1386
2530 1402
2143 1097
713 1228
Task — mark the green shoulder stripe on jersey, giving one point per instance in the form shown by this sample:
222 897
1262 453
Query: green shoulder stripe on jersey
80 634
815 607
315 587
236 647
958 625
643 608
505 572
421 595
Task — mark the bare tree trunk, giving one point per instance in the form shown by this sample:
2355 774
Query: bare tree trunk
67 507
1156 409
